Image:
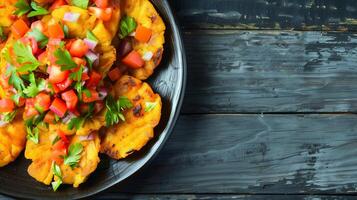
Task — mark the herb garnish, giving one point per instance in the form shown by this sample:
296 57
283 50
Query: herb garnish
64 59
127 26
23 7
34 88
73 156
80 3
149 106
25 57
37 10
39 37
56 170
114 109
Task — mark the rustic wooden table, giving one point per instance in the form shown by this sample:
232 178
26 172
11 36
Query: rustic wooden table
269 108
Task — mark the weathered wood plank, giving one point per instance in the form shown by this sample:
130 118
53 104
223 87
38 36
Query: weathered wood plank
222 197
254 154
270 71
268 14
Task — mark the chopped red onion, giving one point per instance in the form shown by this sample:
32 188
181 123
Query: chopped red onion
86 137
71 17
102 93
94 58
85 70
124 48
148 56
68 117
90 43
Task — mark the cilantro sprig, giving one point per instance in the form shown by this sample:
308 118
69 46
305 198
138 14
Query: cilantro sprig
25 57
64 59
127 26
80 3
35 86
2 34
24 7
56 170
74 155
39 37
149 106
32 128
114 109
8 117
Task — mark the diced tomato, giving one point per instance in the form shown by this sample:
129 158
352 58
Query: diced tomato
75 112
56 75
114 74
84 108
57 156
98 106
22 102
64 84
94 79
19 28
59 149
78 48
94 96
63 137
57 4
143 34
133 60
42 102
38 25
103 14
6 105
31 42
42 57
85 77
55 88
50 118
30 110
71 99
79 61
55 30
59 107
101 3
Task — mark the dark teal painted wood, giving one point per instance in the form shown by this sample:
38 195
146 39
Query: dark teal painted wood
270 71
268 14
255 154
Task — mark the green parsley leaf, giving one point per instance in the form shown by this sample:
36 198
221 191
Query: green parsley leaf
114 109
80 3
127 26
76 123
16 98
8 117
91 36
149 106
15 79
39 37
25 57
79 87
77 76
2 34
33 134
56 170
57 138
64 59
66 31
22 7
33 89
37 10
73 156
56 184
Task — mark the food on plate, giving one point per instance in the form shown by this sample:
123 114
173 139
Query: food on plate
140 120
71 85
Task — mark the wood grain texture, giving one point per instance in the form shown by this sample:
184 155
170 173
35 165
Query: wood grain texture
223 197
270 71
254 154
268 14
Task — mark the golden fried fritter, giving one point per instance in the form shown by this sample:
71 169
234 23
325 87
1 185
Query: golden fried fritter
127 137
41 166
145 14
7 9
12 140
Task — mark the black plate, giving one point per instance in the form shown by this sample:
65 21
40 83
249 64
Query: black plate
169 81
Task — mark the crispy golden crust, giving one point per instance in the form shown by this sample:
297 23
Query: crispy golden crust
146 15
12 140
40 154
7 9
127 137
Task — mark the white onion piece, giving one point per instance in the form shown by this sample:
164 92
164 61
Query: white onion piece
68 117
3 123
90 43
85 70
71 17
132 34
102 93
86 137
94 58
148 56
